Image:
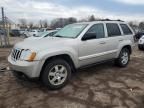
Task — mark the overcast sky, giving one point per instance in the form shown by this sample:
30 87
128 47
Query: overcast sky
34 10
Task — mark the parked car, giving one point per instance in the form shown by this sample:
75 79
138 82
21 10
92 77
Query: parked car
2 32
75 46
2 37
15 32
139 35
44 29
58 28
30 33
26 34
141 43
34 32
22 31
41 35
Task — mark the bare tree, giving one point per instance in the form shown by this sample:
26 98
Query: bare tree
134 26
54 23
45 24
72 20
141 26
61 22
23 23
58 23
83 20
31 25
40 24
92 18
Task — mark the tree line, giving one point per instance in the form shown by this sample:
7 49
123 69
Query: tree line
55 23
61 22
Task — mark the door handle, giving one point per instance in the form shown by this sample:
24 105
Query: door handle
102 42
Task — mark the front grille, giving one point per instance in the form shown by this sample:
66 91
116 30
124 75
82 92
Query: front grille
16 53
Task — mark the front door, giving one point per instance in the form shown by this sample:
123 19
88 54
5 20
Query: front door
93 49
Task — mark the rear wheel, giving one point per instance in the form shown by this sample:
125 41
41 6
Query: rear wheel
56 74
123 59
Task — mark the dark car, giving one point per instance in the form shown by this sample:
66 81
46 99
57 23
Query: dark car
3 32
139 35
15 32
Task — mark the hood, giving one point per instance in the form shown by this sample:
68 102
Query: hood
32 38
44 43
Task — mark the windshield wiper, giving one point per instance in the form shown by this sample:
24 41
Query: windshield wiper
58 36
62 36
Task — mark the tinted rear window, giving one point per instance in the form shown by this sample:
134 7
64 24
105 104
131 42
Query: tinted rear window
126 29
113 29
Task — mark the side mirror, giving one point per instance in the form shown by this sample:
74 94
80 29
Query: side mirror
89 36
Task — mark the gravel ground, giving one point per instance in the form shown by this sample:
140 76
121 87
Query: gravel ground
101 86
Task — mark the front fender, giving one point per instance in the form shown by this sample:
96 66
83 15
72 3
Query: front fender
45 54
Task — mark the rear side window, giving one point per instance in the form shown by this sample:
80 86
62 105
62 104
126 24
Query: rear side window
126 29
113 29
98 29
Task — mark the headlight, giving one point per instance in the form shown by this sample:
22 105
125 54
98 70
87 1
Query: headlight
28 55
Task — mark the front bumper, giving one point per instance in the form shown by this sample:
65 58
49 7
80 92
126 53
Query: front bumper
30 69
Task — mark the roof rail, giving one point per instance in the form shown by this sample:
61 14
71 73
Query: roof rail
110 20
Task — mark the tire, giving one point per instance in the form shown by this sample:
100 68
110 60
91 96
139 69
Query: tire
56 74
140 48
124 58
25 36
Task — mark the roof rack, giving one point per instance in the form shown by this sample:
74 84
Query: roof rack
110 20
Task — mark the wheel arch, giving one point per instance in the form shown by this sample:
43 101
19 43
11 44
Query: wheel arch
128 47
65 57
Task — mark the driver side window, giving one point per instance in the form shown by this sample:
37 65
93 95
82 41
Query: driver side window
97 29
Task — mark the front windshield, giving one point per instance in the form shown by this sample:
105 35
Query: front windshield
71 31
42 34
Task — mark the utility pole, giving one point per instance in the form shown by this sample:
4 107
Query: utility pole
3 22
2 9
6 43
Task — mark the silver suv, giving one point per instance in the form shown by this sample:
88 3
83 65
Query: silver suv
53 59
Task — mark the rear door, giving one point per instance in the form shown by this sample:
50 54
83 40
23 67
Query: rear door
114 37
127 32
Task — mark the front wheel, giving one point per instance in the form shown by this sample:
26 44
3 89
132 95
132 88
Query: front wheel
141 47
123 59
56 74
